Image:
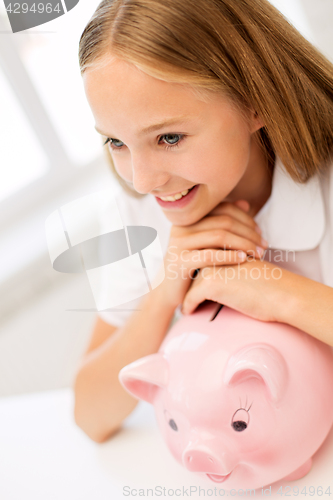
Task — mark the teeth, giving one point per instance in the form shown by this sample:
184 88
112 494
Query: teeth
176 196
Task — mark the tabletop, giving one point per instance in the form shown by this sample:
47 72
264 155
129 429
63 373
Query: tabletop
45 456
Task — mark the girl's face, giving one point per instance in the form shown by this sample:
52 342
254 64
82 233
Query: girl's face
166 139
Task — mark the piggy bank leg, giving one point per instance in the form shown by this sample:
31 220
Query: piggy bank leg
300 472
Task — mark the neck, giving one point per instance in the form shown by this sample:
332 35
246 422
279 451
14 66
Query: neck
256 184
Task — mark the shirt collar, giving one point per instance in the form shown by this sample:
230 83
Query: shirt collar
293 218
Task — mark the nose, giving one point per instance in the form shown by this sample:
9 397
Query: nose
146 175
198 460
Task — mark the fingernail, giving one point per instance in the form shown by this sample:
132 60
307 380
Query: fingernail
260 251
241 255
264 242
258 230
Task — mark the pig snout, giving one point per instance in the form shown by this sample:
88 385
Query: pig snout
198 459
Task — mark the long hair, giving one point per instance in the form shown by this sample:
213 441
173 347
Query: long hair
244 49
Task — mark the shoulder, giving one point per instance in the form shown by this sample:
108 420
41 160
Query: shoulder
142 211
293 218
326 181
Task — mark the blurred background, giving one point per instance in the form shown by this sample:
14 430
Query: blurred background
50 155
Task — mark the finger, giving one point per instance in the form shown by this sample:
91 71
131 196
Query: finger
234 211
198 259
243 205
199 291
228 223
195 260
221 239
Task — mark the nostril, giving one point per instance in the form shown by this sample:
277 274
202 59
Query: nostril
210 459
189 458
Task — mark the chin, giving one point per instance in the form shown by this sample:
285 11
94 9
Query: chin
187 217
182 219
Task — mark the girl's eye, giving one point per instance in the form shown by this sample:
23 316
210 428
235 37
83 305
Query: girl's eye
114 143
172 140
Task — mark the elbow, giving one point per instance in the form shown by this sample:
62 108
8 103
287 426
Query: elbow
89 430
89 426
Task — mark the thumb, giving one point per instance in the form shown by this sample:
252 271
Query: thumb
243 205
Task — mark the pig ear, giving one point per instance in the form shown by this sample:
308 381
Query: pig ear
143 377
259 360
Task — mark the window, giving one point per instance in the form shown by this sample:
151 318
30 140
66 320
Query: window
22 158
46 126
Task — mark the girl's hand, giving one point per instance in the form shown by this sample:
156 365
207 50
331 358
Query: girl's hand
255 288
224 237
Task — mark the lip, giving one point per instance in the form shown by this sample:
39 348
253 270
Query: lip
217 478
184 200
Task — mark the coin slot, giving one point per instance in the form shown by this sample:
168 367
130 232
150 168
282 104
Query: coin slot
216 312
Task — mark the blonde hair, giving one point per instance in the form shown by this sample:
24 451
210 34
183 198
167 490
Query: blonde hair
245 49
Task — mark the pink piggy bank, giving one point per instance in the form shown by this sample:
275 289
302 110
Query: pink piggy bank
244 402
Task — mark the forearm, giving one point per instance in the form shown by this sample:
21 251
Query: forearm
101 403
307 305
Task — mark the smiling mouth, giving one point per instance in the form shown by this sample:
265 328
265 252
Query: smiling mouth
183 196
217 478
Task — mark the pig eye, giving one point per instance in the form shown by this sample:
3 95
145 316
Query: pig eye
173 425
170 421
239 425
240 420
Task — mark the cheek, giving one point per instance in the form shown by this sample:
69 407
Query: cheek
262 418
234 148
122 164
221 156
176 440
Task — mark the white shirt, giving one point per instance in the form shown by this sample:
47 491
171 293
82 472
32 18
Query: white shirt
296 220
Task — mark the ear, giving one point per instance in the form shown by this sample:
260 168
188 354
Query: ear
256 121
144 377
259 361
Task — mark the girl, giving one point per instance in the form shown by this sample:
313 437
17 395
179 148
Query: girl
218 118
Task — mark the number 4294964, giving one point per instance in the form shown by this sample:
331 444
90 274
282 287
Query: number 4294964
312 491
35 8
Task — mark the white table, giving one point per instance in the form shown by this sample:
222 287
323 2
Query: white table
45 456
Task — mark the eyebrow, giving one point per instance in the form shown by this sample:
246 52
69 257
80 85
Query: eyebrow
156 126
